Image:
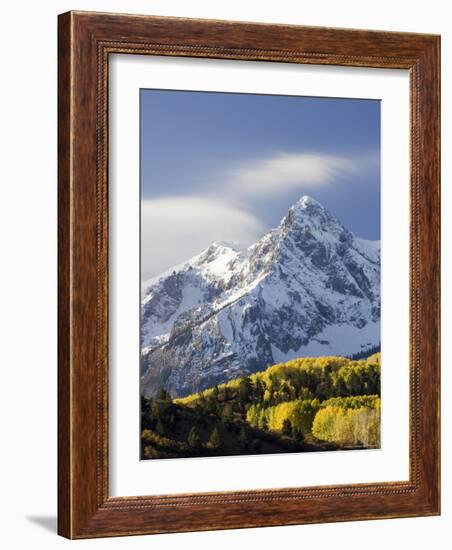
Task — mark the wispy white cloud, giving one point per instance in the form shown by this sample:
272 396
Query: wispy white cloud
176 228
289 171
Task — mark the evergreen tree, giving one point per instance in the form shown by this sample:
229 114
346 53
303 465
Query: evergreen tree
245 390
287 427
154 408
212 407
227 414
164 395
199 413
243 436
146 414
193 438
215 440
201 398
160 428
259 390
298 435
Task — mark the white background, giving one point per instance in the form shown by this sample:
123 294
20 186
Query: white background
129 476
28 274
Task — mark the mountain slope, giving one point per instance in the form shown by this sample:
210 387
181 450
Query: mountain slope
308 287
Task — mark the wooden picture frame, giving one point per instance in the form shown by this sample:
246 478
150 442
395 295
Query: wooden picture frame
85 508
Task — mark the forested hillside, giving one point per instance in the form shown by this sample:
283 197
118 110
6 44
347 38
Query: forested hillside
308 404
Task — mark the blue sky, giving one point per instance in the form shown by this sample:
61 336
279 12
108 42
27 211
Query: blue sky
218 166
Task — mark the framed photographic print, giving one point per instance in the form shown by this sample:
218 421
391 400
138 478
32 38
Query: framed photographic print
248 275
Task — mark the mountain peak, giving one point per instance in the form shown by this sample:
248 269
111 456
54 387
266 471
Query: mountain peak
306 201
307 206
309 212
307 287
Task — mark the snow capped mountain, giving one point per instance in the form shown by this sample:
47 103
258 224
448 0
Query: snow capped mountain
307 288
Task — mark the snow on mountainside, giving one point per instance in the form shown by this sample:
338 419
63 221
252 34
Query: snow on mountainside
307 288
